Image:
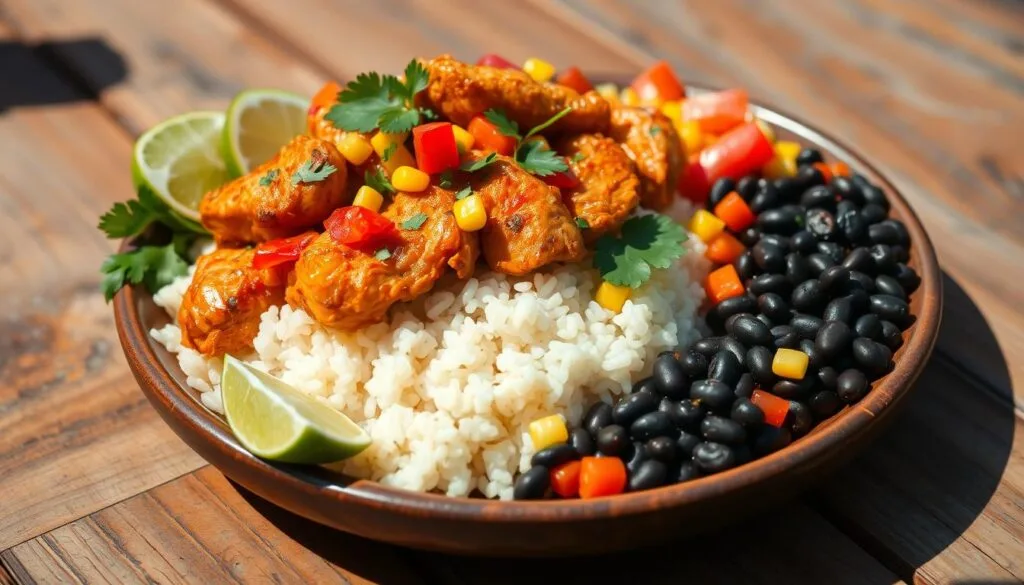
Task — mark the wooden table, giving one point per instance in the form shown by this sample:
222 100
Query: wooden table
93 486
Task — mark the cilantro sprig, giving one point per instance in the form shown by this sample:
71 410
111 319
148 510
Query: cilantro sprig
375 101
531 155
645 242
378 181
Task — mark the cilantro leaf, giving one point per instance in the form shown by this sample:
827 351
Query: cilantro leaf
445 179
267 179
382 254
313 171
578 157
362 103
463 193
548 123
476 165
416 78
582 223
156 266
389 152
398 120
540 161
646 242
415 222
654 130
126 219
428 114
502 123
378 181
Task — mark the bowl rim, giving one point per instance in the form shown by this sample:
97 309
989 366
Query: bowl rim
168 396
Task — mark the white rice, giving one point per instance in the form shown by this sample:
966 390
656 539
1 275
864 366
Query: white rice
447 388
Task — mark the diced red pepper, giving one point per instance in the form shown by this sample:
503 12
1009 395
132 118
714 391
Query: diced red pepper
563 180
486 136
574 79
659 83
735 212
435 147
359 227
717 112
492 60
602 476
693 182
775 409
565 479
281 251
738 152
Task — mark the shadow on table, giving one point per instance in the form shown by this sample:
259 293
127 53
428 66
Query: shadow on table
24 85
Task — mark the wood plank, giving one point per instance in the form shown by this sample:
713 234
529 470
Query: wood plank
78 433
201 529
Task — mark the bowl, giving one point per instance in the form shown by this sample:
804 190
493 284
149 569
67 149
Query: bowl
547 528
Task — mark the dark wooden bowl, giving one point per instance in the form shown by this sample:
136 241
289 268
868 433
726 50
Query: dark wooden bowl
483 527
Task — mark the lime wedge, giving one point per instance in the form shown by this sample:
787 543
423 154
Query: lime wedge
179 160
277 422
259 123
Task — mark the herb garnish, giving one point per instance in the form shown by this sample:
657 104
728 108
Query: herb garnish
654 130
473 166
444 180
578 157
374 101
378 181
582 223
382 254
646 242
314 170
389 152
271 176
415 222
531 155
463 193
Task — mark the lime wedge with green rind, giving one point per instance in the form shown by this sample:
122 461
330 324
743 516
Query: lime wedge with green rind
258 123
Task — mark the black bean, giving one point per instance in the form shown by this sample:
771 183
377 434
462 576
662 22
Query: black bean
708 346
827 377
803 242
746 187
818 196
832 250
635 456
745 303
652 424
844 207
554 455
839 309
892 309
647 385
824 404
687 472
750 236
907 278
872 213
765 283
764 319
822 224
781 220
797 270
662 448
746 268
851 386
581 440
872 195
598 416
769 257
776 240
885 260
802 418
714 394
719 190
686 442
901 231
746 413
818 262
770 439
887 285
733 345
892 336
748 330
774 307
695 364
669 380
635 405
612 440
532 485
809 156
872 357
788 189
843 187
859 281
833 338
649 474
806 326
852 226
887 232
784 336
833 278
808 177
869 326
860 259
714 457
745 387
724 366
687 414
759 363
815 359
792 389
808 297
722 430
765 199
900 253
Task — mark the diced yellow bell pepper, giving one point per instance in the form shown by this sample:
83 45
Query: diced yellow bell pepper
674 111
463 139
355 148
548 431
470 214
369 198
787 149
628 97
539 69
608 91
790 363
705 225
612 296
692 137
410 179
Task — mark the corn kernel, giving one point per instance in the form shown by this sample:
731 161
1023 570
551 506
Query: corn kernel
705 225
765 129
608 91
381 141
369 198
539 69
548 431
786 149
790 363
410 179
629 97
673 110
611 296
470 214
692 136
463 139
400 157
355 148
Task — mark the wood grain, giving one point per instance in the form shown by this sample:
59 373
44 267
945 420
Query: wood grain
77 433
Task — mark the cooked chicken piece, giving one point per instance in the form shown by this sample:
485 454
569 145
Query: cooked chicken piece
609 188
459 91
649 139
220 311
271 202
348 288
528 226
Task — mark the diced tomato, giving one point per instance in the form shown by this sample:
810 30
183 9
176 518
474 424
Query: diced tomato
574 79
658 84
775 409
435 147
492 60
738 152
693 182
359 227
486 136
281 251
325 97
717 112
563 180
602 476
565 479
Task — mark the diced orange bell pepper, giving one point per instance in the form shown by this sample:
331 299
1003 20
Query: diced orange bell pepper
717 112
735 212
486 136
574 79
657 84
840 169
825 171
723 283
602 476
565 479
724 249
775 409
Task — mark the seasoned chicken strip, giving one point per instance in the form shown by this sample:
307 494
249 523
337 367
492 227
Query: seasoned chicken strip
609 188
220 311
459 91
528 226
649 138
348 288
270 203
